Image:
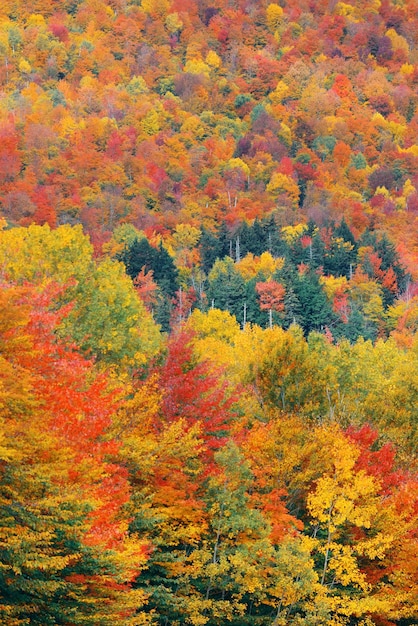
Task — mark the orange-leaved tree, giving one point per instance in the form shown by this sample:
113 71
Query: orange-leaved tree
66 556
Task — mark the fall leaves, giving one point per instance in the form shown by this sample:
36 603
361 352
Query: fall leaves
227 475
163 115
65 554
208 407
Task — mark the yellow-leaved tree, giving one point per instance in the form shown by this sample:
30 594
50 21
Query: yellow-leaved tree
106 317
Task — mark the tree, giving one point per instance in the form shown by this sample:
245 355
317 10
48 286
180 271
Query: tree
210 249
141 255
315 310
226 288
10 158
107 319
271 295
65 552
193 390
352 529
290 374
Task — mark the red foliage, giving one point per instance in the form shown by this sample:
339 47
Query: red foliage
146 288
59 30
10 160
379 462
285 166
195 391
342 86
271 295
77 412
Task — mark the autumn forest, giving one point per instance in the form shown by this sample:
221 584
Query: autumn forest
208 313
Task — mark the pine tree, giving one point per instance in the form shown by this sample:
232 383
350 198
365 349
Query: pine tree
227 288
316 312
343 231
259 238
210 249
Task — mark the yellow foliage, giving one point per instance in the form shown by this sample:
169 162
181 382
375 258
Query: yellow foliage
398 130
379 119
291 233
24 67
197 66
285 134
36 19
412 149
216 333
195 127
69 125
274 16
237 163
281 183
345 496
150 124
367 294
347 10
280 92
156 8
137 85
398 42
408 188
382 191
215 323
333 284
264 266
407 69
213 60
37 252
173 23
185 236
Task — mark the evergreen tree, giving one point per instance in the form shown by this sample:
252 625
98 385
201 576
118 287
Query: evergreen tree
292 309
292 313
316 312
390 258
274 243
254 314
343 231
308 249
165 272
259 238
225 242
357 326
137 255
340 258
210 248
244 234
227 288
141 254
390 269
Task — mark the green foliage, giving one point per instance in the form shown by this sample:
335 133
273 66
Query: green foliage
107 320
315 311
226 288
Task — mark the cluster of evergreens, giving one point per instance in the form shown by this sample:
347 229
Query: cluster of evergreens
329 279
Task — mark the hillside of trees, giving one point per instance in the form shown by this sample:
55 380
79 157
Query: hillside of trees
208 313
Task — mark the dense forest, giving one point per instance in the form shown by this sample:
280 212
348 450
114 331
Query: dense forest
208 313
